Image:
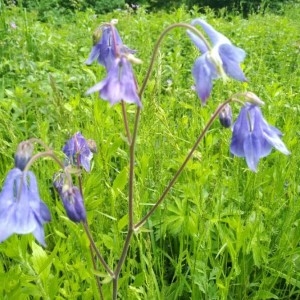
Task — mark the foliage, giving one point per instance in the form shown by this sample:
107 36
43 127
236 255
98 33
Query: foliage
245 7
68 6
223 233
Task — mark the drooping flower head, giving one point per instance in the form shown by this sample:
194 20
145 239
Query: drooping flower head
119 84
108 45
223 59
78 152
21 209
71 197
253 138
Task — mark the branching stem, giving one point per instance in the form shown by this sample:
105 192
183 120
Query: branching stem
179 171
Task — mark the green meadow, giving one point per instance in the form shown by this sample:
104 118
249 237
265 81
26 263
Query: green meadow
223 231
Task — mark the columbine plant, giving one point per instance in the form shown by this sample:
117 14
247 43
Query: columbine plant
21 209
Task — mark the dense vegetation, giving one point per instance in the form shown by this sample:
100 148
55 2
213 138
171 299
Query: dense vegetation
102 6
223 232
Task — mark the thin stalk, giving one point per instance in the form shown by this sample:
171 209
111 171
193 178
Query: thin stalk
86 225
33 159
99 286
131 168
179 171
130 207
157 45
103 262
40 142
48 153
125 119
120 263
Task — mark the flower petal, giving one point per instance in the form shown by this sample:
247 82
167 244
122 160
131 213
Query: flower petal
39 235
96 88
95 52
275 141
215 36
252 150
119 84
197 41
204 72
231 57
240 132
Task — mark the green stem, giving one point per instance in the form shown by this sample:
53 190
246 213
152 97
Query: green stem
179 171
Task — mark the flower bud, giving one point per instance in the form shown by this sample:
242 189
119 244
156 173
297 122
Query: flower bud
71 197
225 116
23 154
73 203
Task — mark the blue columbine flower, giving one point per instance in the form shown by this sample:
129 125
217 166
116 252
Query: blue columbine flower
253 138
71 197
21 209
108 47
105 50
78 152
223 57
119 84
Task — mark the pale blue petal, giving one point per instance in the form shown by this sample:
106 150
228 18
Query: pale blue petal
94 54
215 36
5 232
231 57
240 131
197 41
128 85
22 218
276 142
39 235
204 72
96 88
119 84
85 160
20 205
111 91
252 150
258 125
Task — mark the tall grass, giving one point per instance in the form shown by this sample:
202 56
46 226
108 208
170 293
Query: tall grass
223 232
